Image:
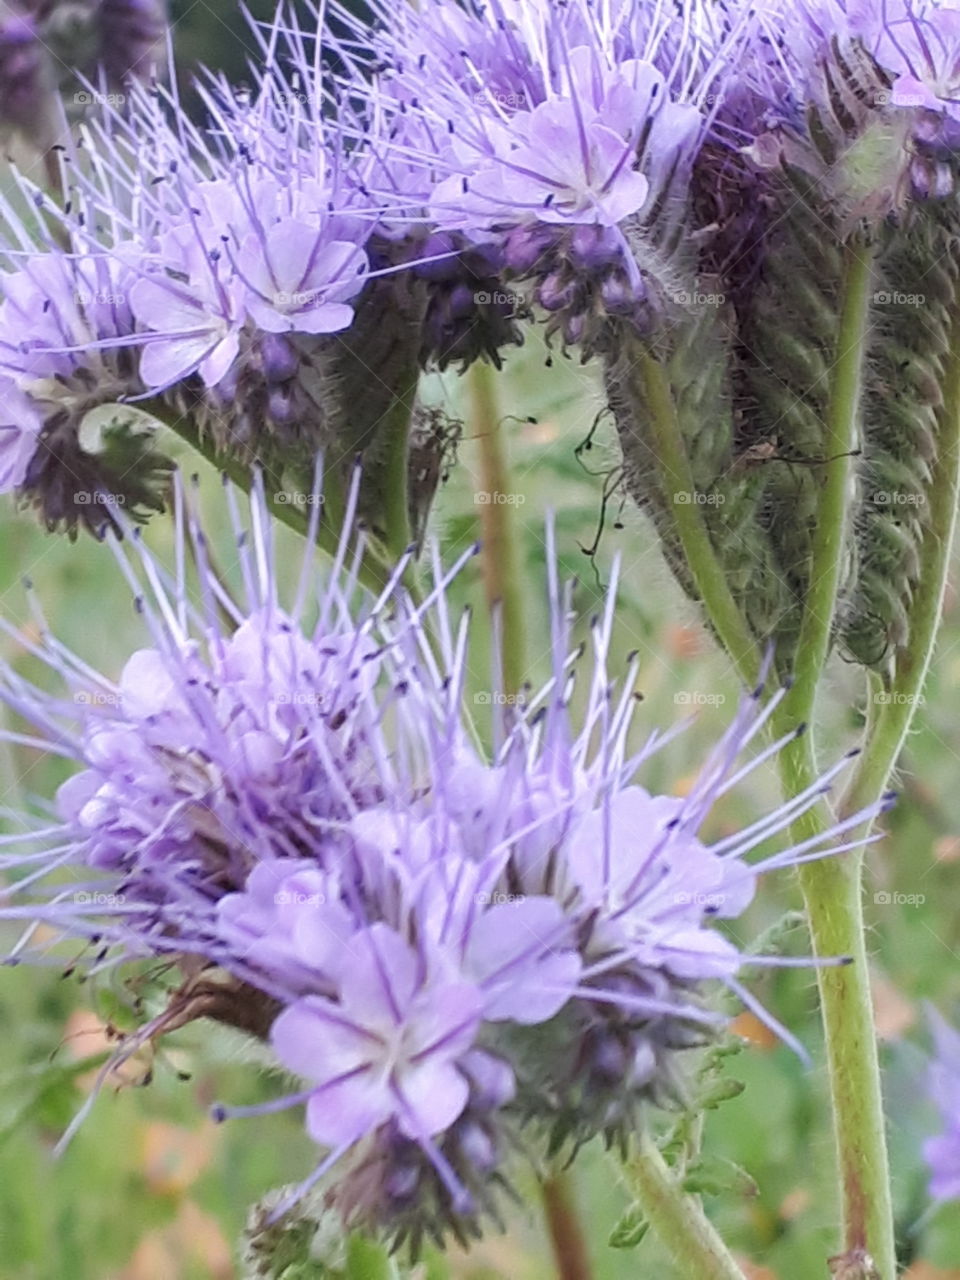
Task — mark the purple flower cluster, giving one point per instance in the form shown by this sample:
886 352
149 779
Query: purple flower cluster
444 945
213 270
556 136
579 161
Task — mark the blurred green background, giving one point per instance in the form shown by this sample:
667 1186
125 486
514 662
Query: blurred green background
150 1189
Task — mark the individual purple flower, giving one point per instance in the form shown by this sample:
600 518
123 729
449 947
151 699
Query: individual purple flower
386 1049
298 289
200 328
942 1153
64 323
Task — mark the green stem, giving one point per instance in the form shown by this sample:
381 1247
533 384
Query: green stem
832 887
395 477
678 485
893 709
678 1218
840 442
501 573
570 1251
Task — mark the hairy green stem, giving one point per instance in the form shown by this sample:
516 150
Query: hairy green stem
501 571
893 709
677 1217
394 430
841 440
832 888
701 559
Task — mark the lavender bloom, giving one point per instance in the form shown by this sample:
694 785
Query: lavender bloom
561 134
213 753
443 947
498 85
248 257
204 273
386 1049
942 1153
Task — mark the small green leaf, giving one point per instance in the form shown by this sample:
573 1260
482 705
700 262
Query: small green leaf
630 1230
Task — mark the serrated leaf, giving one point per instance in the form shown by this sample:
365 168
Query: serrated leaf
630 1230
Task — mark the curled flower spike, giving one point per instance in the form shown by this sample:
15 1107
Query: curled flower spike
450 950
882 80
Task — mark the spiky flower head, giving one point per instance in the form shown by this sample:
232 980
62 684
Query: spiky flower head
206 274
449 948
560 134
